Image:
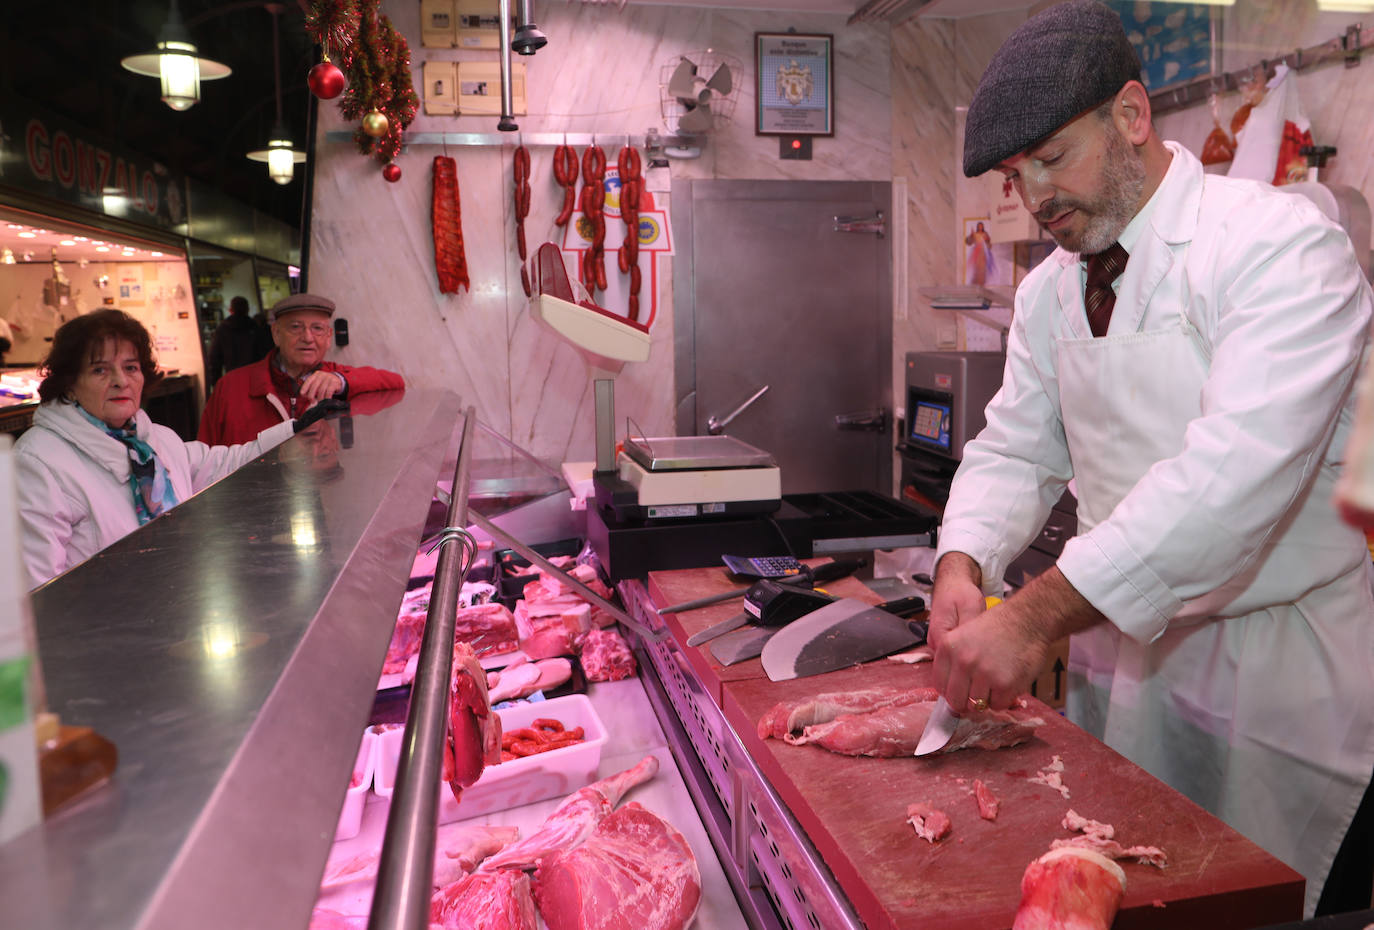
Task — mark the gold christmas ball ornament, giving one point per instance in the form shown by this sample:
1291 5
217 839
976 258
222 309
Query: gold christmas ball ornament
375 124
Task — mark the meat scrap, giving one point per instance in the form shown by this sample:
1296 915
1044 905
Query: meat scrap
930 824
988 804
888 723
1052 776
634 872
573 820
1099 837
487 900
1070 889
606 656
915 656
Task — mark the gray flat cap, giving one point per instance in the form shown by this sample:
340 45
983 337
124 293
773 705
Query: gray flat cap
300 302
1056 65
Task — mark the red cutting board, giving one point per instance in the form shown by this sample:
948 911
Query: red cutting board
679 587
854 810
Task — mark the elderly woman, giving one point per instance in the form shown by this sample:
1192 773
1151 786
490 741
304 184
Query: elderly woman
93 468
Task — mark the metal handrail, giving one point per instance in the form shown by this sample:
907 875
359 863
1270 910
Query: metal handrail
406 871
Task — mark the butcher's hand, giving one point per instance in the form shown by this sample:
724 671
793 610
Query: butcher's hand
957 597
321 384
993 657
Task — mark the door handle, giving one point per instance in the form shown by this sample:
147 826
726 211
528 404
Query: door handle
862 224
874 421
716 425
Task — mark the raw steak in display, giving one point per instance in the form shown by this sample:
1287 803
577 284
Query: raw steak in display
458 848
1070 889
405 641
487 628
484 901
474 735
606 656
573 820
888 723
634 872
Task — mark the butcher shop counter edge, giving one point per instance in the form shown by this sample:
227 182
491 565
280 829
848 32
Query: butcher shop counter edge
1283 894
230 649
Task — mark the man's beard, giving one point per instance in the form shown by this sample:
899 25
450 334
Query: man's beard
1107 212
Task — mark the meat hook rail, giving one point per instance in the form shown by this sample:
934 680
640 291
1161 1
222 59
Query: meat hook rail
406 870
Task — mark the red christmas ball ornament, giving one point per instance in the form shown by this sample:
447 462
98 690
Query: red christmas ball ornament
392 172
326 80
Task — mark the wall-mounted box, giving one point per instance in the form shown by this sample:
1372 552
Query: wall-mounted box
479 88
440 91
438 24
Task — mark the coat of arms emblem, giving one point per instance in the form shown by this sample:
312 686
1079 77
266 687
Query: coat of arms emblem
794 82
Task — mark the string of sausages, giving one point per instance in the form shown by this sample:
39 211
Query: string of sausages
543 734
521 172
565 173
593 270
631 185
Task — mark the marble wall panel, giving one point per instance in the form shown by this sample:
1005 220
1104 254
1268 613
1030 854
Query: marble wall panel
371 244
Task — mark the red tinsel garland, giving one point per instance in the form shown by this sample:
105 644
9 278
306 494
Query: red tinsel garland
376 59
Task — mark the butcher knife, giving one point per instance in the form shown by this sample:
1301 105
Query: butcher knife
837 636
939 728
748 643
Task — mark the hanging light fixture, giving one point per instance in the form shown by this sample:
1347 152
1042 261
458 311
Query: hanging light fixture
176 63
281 155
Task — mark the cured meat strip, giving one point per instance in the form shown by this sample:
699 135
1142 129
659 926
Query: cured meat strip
795 716
485 901
573 820
450 262
474 735
896 730
931 825
1070 889
988 804
634 872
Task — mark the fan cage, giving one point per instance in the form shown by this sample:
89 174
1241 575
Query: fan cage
722 105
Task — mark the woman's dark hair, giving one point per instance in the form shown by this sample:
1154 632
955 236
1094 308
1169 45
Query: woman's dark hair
76 342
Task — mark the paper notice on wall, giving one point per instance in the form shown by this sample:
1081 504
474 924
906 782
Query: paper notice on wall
129 285
166 344
20 806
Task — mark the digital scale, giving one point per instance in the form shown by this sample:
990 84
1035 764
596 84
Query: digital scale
679 477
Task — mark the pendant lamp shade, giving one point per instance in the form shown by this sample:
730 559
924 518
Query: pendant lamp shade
176 64
281 155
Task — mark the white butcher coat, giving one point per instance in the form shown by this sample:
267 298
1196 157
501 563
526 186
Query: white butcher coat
73 477
1205 433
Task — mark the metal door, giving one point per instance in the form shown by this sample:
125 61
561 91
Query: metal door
768 292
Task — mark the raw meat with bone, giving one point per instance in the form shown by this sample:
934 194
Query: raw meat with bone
450 262
573 820
485 901
1070 889
634 872
893 726
474 734
606 656
458 848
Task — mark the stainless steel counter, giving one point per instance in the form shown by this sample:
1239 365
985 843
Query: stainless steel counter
230 649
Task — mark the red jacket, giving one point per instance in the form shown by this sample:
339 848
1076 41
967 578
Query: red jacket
246 401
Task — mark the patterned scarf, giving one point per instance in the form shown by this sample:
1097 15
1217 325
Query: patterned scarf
152 490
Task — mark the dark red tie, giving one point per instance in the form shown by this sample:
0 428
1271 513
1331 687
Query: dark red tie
1099 298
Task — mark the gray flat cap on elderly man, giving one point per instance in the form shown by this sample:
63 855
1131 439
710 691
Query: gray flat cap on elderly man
1056 65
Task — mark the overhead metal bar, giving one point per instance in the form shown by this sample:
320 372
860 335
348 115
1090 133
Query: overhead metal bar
531 139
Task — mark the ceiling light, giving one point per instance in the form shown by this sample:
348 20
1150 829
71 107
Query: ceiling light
26 234
1346 6
82 238
155 254
176 63
102 248
67 242
281 155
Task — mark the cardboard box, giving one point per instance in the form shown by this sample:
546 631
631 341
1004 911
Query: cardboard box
1052 684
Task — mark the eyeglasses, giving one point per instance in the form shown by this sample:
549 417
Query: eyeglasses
296 327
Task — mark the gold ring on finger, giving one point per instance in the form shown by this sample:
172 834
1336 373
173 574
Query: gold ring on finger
979 704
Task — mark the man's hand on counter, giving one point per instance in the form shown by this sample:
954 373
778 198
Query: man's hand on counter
994 655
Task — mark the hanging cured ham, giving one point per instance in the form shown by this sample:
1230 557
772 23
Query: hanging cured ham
450 262
1070 889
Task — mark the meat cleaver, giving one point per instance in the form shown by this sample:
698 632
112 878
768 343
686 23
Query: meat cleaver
748 643
837 636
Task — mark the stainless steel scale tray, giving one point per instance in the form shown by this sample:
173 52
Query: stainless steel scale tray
683 453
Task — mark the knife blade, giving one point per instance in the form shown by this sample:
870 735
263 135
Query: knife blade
828 571
719 629
847 632
939 728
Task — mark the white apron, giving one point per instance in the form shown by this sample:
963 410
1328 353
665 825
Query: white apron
1264 718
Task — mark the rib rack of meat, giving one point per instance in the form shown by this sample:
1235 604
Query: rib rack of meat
887 723
450 262
573 820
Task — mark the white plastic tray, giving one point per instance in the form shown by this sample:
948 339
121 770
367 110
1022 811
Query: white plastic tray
351 816
556 773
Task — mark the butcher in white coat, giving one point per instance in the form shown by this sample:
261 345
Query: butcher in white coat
1222 620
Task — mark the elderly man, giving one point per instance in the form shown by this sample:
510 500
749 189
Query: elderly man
1186 356
291 379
